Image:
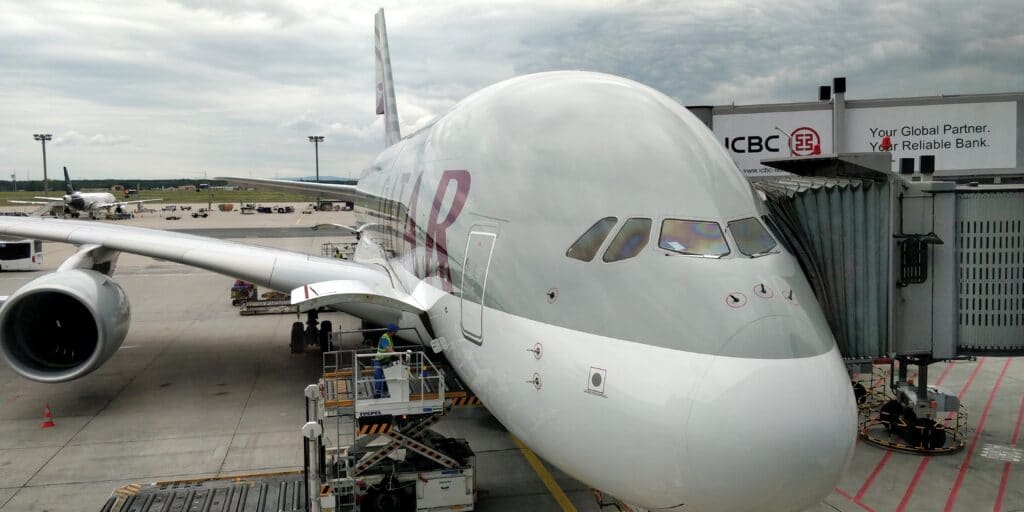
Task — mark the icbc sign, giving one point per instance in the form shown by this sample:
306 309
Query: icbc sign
751 139
753 144
804 141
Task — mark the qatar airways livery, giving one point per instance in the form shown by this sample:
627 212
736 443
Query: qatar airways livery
603 276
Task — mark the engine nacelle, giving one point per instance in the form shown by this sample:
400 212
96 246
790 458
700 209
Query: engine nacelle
63 325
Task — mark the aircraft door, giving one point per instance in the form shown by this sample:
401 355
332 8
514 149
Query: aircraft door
474 283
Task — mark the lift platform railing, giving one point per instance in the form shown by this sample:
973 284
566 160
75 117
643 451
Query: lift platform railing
418 380
410 376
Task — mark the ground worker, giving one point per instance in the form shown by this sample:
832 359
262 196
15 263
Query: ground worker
385 345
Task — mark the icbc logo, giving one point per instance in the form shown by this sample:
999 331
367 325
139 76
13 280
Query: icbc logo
804 141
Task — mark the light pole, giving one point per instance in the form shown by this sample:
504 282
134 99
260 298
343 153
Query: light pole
316 140
43 137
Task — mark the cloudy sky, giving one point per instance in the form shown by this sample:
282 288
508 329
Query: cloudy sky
182 88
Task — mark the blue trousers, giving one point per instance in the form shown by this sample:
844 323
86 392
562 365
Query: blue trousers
378 379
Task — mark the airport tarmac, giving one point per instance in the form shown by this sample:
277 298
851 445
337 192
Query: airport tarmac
198 390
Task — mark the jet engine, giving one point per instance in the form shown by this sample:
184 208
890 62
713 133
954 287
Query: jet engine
63 325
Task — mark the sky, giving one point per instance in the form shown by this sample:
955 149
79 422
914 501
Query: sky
187 89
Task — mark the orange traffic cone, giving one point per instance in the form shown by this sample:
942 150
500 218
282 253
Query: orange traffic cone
47 418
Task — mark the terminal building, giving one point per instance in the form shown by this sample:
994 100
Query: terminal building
973 137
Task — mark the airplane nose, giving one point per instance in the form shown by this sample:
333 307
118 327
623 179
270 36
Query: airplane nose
770 433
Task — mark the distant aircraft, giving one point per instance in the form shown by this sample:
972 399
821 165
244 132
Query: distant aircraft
75 203
598 268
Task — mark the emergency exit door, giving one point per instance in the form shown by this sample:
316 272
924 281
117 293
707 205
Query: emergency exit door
474 283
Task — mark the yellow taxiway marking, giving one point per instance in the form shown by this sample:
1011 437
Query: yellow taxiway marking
545 476
298 220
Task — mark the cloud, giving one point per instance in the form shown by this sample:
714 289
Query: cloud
234 87
73 138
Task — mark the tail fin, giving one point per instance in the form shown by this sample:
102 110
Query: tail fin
67 183
385 85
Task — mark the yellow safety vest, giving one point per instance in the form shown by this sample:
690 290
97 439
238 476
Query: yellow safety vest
384 346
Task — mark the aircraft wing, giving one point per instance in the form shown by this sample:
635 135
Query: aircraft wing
30 202
271 268
49 199
122 203
344 192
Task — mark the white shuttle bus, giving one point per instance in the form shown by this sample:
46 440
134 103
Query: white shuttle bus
20 254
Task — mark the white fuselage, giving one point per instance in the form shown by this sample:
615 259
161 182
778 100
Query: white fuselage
89 201
702 404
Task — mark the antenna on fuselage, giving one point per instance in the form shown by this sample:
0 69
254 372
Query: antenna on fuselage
385 84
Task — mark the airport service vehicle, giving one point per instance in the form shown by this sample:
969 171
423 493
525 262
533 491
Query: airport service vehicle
20 254
90 203
593 260
383 455
242 292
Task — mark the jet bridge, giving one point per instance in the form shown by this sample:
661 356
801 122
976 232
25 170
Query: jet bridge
908 269
903 265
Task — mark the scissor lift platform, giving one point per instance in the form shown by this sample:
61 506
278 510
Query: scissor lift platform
391 460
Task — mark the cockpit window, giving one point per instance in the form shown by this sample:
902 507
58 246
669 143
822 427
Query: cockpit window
629 240
694 237
751 237
585 247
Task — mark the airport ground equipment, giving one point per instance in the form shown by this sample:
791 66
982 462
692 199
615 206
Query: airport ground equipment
267 307
242 292
270 492
370 452
340 250
895 417
906 268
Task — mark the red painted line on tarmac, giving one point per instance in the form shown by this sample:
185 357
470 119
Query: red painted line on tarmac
855 502
1006 467
843 494
970 380
885 458
944 373
965 466
909 493
871 478
913 484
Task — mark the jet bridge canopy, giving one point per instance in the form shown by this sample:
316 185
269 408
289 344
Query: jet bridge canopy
835 218
870 166
903 265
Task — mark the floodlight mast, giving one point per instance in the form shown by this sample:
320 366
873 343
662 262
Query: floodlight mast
316 140
43 137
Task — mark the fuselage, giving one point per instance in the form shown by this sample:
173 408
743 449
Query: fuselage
86 201
719 385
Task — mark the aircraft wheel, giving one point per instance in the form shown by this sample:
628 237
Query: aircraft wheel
860 393
325 335
908 427
932 434
889 413
384 501
298 342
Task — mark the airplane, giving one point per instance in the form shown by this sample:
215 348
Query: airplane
76 203
601 274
